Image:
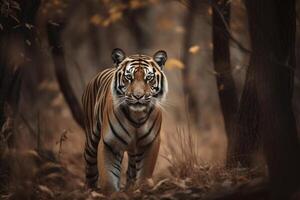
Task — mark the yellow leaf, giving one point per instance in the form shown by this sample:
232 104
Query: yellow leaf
135 4
115 16
194 49
96 20
106 22
174 63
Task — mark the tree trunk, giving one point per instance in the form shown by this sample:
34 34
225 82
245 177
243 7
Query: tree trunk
245 138
93 8
13 38
222 66
272 32
192 102
136 21
54 37
13 44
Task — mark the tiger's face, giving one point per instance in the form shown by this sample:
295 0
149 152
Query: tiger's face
139 81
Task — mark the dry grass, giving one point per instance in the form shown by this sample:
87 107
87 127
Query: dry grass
189 170
41 175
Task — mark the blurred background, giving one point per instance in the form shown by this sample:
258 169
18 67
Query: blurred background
54 47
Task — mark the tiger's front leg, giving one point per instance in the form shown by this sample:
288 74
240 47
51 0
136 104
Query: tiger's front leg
109 166
145 163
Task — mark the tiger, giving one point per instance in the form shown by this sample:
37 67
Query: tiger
123 113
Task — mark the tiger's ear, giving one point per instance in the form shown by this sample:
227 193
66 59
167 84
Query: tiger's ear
118 56
160 58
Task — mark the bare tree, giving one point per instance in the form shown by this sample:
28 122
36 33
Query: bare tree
222 65
16 19
192 102
273 58
136 20
55 41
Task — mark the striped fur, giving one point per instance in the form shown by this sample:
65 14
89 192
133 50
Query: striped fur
122 115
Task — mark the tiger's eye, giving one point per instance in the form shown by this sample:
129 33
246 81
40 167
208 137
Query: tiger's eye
149 77
128 77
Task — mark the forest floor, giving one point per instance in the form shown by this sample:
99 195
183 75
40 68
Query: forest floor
42 176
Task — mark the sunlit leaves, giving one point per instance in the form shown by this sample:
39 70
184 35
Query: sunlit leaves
111 11
96 20
115 10
173 63
194 49
135 4
56 8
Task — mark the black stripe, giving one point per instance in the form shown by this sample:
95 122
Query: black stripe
94 143
149 143
132 165
139 64
136 125
161 86
115 133
109 148
136 155
147 117
96 136
154 70
89 153
116 166
138 169
139 60
121 124
91 148
90 163
139 160
116 175
118 86
144 136
112 151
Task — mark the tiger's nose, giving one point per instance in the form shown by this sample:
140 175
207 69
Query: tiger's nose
138 95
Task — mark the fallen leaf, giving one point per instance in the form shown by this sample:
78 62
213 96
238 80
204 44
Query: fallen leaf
95 194
46 190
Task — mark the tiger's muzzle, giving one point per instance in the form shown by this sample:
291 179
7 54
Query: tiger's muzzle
138 102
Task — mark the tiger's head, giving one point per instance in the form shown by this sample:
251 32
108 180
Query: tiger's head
139 82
